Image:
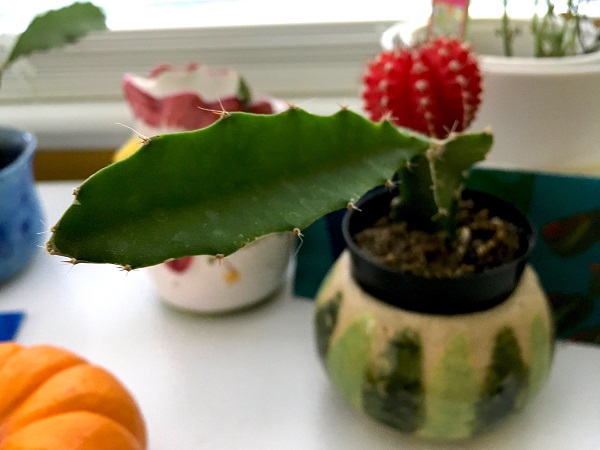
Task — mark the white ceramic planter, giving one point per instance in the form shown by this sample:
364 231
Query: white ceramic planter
205 284
178 99
544 111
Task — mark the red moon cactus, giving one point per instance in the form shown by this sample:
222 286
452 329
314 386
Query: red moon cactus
433 88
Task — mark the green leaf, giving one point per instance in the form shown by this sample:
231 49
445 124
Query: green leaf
57 28
214 190
244 93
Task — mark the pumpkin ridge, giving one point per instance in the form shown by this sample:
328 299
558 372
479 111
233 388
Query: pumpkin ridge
7 424
54 399
80 388
28 368
7 350
74 430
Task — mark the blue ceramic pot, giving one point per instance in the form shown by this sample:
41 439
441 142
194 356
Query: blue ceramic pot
20 211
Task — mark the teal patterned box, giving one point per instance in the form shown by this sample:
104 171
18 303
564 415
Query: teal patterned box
565 212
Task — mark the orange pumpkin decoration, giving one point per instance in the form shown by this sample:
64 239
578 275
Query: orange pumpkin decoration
52 399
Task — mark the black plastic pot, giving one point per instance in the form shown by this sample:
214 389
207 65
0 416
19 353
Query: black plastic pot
455 295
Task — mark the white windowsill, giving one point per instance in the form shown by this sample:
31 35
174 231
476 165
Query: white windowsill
81 126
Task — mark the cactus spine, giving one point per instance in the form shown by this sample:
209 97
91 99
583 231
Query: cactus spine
214 190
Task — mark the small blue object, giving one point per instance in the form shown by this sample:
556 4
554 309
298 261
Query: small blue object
9 324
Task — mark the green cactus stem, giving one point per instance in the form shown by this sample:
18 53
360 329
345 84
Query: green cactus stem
214 190
432 181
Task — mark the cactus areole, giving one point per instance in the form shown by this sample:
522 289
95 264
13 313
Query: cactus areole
214 190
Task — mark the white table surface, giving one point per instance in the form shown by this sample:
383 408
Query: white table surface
251 380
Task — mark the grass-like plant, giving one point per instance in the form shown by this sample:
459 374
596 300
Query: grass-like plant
554 35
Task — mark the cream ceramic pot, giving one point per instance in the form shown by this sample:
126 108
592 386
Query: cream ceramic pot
212 285
437 376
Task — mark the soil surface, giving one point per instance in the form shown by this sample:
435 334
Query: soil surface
482 241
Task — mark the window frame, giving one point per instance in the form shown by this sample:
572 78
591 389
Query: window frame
72 98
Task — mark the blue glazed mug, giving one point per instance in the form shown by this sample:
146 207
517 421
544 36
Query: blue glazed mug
20 211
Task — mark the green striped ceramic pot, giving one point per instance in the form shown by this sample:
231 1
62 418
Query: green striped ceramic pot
445 376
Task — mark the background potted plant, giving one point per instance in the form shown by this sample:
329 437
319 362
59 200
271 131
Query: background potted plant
539 74
279 173
20 212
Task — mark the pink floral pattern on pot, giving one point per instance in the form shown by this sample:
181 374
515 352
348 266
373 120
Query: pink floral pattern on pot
177 99
173 99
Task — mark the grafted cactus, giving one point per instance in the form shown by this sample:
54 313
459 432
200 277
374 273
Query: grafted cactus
214 190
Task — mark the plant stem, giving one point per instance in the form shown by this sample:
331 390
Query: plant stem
506 32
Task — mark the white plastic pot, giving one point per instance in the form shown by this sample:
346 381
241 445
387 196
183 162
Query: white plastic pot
543 111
